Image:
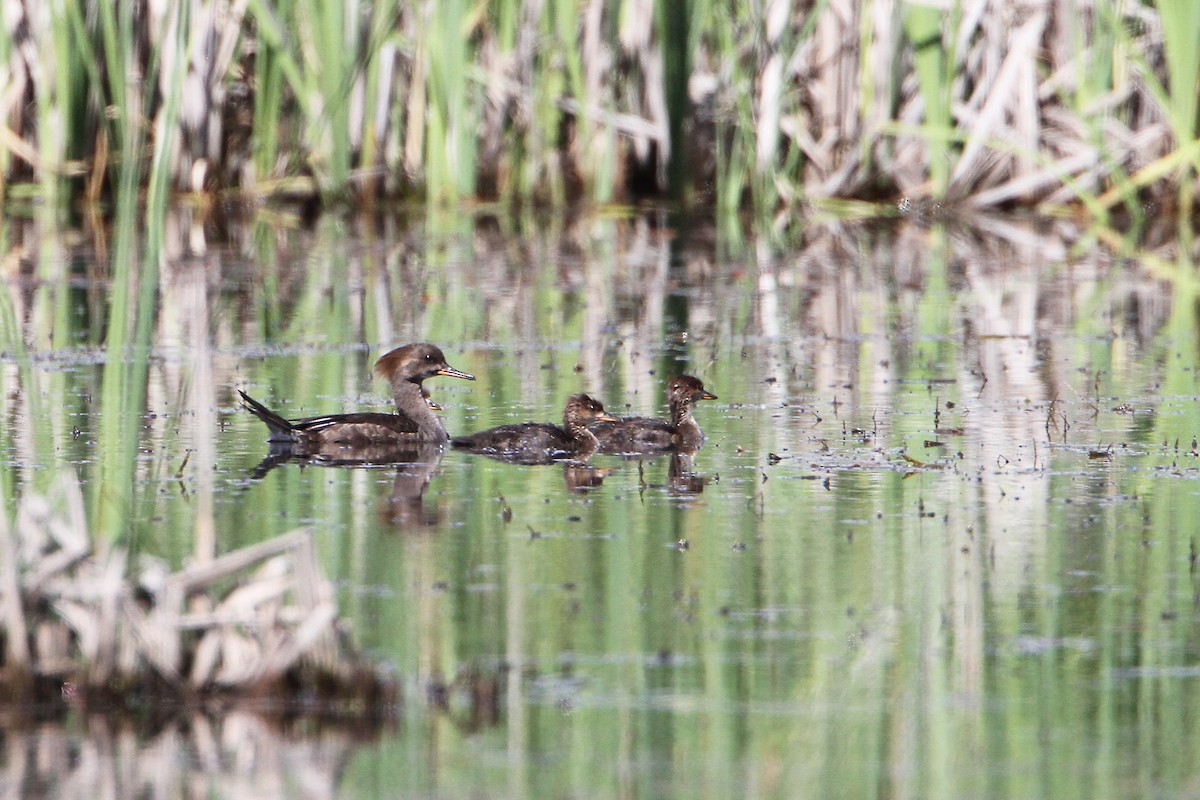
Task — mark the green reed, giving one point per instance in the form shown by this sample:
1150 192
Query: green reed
118 58
134 264
378 114
734 143
333 30
12 342
763 106
933 63
1181 20
123 379
453 120
312 57
1176 95
274 65
678 42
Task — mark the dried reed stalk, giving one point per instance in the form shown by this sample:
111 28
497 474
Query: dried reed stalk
239 622
786 101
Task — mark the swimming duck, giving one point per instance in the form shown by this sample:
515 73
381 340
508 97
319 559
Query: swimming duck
642 434
537 442
415 419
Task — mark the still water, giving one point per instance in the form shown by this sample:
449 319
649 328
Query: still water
940 543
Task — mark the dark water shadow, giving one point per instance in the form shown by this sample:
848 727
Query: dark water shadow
415 465
682 479
578 475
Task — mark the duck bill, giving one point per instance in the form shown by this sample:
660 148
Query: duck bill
708 396
606 418
451 372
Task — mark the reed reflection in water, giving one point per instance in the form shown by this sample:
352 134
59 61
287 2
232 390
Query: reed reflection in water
936 543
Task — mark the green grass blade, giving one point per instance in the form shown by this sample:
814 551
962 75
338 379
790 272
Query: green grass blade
933 64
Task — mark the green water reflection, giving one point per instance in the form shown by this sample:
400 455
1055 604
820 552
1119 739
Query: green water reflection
941 541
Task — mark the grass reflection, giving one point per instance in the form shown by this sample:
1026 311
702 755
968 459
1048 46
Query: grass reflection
938 542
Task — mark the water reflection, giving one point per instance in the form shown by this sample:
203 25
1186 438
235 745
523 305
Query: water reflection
577 475
582 477
232 755
895 497
414 465
423 456
680 475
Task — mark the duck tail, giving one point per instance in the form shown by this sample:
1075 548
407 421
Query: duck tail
280 429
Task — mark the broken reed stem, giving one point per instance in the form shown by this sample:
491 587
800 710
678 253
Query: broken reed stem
75 617
12 611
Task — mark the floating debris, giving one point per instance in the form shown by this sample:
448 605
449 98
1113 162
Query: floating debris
260 622
949 431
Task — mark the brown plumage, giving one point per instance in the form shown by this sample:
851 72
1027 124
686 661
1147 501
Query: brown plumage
634 435
404 368
539 442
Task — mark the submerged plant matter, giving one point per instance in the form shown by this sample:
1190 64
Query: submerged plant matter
774 103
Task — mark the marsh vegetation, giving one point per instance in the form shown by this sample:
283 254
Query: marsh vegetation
771 106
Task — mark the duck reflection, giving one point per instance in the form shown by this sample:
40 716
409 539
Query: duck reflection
415 464
405 507
473 700
680 477
580 478
577 475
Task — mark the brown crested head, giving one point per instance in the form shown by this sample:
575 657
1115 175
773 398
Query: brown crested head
687 389
581 409
415 363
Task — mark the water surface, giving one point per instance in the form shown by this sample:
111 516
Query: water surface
940 541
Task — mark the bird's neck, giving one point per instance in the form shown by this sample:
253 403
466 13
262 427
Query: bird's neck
687 433
681 415
411 403
580 433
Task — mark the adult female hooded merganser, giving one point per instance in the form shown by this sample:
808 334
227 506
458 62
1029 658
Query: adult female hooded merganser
642 435
538 442
414 420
